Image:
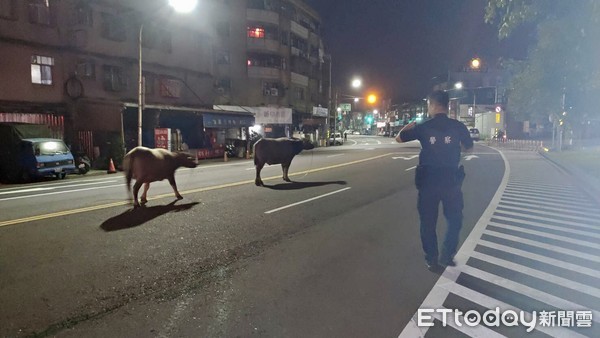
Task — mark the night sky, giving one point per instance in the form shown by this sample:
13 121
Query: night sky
398 46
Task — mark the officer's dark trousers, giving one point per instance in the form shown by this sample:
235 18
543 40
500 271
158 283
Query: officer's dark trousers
430 196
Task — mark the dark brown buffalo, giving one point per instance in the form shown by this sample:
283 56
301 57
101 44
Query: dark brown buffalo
277 151
147 165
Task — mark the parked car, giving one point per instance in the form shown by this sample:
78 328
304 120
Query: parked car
23 157
336 139
474 132
356 132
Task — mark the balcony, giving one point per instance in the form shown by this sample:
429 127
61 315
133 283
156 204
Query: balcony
259 15
263 44
264 72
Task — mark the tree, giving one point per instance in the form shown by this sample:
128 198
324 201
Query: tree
562 71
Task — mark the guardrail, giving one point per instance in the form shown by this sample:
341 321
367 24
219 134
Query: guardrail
524 145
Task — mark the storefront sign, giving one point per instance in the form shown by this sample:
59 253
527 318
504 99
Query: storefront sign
263 115
210 153
227 120
269 115
162 138
320 111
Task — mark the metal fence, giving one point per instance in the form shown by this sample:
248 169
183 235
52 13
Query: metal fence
524 145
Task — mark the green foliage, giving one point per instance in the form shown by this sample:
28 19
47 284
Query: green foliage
565 59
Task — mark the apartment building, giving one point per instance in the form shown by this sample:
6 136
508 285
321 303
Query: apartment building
74 64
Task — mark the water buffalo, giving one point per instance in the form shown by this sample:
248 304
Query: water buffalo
277 151
149 165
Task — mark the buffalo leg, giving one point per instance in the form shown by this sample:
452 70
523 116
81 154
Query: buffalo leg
144 198
286 168
259 167
136 189
174 185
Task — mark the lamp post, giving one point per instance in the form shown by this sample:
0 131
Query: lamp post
181 6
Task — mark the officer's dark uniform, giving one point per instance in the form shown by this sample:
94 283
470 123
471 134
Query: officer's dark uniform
438 179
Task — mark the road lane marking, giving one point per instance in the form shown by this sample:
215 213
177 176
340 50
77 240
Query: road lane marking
50 188
405 158
306 201
411 168
24 190
228 185
60 192
336 155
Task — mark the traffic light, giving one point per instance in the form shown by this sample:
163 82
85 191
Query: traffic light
372 98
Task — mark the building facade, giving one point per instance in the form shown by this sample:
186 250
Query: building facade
74 64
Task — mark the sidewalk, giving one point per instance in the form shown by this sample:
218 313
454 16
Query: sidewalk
582 165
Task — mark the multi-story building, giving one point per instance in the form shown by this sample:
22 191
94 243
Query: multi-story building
73 64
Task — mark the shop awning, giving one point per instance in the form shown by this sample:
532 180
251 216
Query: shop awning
224 120
210 117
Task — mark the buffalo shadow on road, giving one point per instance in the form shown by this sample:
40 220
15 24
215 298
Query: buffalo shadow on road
138 216
294 185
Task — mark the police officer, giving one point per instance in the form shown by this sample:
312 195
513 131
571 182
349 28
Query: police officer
438 177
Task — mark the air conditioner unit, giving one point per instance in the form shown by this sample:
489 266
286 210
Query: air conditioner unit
274 92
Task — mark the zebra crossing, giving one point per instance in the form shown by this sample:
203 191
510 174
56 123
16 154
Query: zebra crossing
536 251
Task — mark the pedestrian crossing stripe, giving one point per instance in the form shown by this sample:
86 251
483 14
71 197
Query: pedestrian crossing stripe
536 245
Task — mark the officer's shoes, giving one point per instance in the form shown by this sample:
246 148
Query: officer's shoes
448 262
434 267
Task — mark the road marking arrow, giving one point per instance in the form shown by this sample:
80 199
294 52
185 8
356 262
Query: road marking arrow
470 157
405 158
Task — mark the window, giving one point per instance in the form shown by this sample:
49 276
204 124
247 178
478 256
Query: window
256 32
86 69
41 69
272 89
83 15
265 60
7 9
114 78
223 58
170 87
153 37
40 12
223 86
113 27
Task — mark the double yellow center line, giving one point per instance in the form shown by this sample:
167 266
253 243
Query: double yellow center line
122 203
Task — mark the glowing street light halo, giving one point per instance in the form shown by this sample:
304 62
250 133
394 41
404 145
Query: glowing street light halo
458 85
356 83
183 6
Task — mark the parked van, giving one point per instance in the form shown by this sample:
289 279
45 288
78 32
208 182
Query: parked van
27 152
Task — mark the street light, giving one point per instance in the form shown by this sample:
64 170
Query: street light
475 63
356 83
181 6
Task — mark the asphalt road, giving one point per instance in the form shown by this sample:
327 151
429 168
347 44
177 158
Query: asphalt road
334 253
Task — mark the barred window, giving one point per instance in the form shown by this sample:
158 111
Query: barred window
8 9
41 69
114 78
41 12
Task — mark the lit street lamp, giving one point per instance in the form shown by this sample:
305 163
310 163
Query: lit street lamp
181 6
